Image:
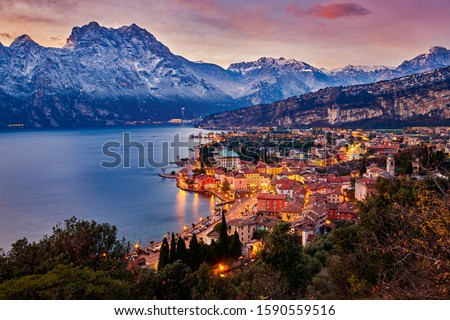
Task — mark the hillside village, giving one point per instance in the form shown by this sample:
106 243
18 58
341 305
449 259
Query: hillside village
314 187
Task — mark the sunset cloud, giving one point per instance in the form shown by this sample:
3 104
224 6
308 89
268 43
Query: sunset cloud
329 11
5 35
324 33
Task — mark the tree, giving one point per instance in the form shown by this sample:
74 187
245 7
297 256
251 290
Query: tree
329 138
181 250
66 282
75 242
259 281
399 249
209 286
224 244
283 252
164 255
173 250
235 246
174 282
351 140
362 168
226 186
194 253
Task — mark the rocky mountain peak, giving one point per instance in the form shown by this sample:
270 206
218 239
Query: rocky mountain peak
437 50
23 41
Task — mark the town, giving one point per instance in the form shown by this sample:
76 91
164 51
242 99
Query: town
310 178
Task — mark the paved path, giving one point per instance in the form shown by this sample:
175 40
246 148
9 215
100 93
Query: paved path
233 213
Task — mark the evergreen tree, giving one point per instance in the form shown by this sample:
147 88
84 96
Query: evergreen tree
194 253
224 243
283 252
214 254
363 168
182 252
409 168
235 246
164 257
173 250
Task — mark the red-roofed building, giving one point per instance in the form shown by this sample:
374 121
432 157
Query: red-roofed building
261 167
204 182
343 211
271 202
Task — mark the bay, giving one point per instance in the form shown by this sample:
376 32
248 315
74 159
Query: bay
47 176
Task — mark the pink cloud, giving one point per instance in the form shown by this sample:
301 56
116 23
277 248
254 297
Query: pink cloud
5 35
329 11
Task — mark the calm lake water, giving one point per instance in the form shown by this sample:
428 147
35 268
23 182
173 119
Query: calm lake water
47 176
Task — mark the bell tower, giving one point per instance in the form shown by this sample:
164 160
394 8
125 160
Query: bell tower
390 165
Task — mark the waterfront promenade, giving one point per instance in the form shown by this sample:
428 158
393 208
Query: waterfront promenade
235 206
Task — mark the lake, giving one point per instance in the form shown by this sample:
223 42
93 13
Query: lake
47 176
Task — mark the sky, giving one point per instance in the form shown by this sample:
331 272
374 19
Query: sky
326 33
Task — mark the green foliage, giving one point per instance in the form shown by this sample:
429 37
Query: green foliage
260 234
283 252
362 166
173 250
198 171
351 140
164 254
399 249
181 250
75 242
224 244
211 287
66 282
172 282
258 281
218 227
194 260
225 186
235 246
175 281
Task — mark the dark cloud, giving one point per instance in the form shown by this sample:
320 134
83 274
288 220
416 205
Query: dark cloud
5 35
329 11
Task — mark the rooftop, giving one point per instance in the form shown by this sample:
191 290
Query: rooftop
228 154
269 196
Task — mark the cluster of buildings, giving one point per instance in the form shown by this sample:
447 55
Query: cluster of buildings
292 189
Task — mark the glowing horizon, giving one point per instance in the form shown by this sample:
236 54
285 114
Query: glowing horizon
326 34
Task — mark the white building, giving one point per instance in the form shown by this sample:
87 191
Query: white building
227 159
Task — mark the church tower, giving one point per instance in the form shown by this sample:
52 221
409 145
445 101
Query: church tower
390 165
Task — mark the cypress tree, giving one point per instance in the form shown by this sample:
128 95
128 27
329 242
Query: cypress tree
363 168
194 253
164 255
173 250
182 252
224 243
235 246
214 255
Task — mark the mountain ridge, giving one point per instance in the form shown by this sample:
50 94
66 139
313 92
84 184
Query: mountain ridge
418 99
109 76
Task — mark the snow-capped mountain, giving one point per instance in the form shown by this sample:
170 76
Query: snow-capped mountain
418 99
436 57
275 79
351 75
107 76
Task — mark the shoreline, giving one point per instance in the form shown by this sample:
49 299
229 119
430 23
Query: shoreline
152 252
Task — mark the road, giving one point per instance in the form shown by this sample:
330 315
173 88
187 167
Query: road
234 212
